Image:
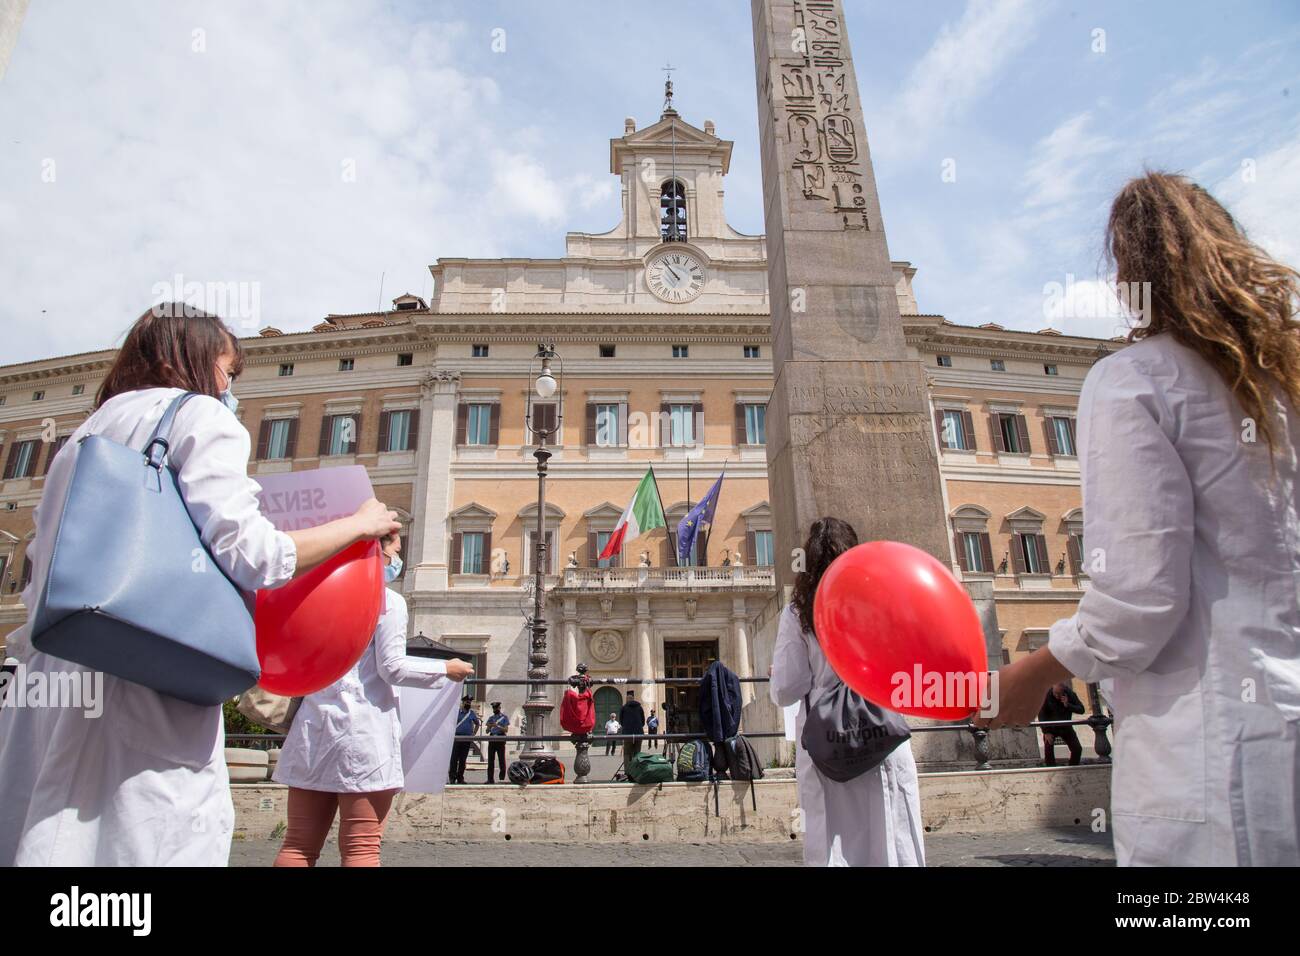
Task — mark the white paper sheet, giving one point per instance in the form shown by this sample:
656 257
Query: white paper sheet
428 727
790 715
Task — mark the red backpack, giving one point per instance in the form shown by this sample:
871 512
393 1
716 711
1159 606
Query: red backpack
578 712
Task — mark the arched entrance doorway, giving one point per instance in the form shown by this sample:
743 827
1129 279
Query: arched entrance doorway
607 701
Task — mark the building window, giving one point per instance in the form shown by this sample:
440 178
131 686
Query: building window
997 365
607 425
607 351
681 351
472 557
1010 434
339 435
54 450
346 365
286 369
602 539
752 351
975 552
38 396
530 549
479 351
1074 548
277 438
945 361
2 399
764 549
672 206
478 430
78 390
405 358
681 420
955 429
1060 435
22 459
754 424
1050 370
1030 550
395 428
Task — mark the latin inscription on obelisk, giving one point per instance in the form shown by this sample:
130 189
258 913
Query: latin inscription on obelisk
849 431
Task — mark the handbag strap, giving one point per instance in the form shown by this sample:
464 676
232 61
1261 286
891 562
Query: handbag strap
162 432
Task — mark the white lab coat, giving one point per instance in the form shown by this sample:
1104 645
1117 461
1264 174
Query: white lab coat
1193 547
347 738
872 820
144 784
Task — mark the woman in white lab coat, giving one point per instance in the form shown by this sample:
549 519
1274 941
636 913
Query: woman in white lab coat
874 819
343 753
1188 442
145 783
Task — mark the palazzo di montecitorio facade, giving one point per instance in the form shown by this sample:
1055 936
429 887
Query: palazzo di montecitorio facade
662 327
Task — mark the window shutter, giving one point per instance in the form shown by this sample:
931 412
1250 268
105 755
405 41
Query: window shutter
356 435
986 548
665 425
291 445
1022 429
751 548
1072 549
742 434
702 549
591 424
697 420
938 427
670 544
455 553
593 547
494 424
995 430
384 419
55 445
325 423
413 430
1040 543
1074 439
1052 445
622 425
263 438
969 422
12 461
1017 555
486 556
462 424
959 546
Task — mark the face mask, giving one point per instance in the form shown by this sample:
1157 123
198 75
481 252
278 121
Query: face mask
228 397
393 570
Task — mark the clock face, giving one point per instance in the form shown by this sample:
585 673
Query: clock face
675 277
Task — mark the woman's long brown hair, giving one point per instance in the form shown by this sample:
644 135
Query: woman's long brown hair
1211 288
827 540
171 346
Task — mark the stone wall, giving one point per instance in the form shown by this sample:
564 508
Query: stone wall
966 802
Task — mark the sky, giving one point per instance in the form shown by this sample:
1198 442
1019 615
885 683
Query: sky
319 156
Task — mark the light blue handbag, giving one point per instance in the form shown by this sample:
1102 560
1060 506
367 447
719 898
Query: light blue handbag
131 589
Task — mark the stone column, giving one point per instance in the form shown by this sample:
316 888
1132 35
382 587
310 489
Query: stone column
570 637
848 428
432 493
648 694
740 648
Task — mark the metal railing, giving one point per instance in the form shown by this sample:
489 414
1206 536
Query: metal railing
1098 722
669 578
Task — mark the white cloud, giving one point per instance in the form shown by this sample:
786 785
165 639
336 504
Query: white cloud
1265 196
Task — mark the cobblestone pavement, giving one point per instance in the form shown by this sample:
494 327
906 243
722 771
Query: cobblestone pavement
1075 846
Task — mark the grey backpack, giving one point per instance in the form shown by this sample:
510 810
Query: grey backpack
847 735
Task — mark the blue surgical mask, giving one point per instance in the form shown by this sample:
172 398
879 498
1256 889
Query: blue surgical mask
393 570
228 399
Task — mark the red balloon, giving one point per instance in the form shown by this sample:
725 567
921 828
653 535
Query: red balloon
899 629
312 630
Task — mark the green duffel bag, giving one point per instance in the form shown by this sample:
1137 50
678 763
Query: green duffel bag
649 768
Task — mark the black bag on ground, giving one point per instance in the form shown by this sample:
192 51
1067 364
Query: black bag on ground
738 756
847 735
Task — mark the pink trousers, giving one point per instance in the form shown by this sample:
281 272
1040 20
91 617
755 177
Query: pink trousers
361 826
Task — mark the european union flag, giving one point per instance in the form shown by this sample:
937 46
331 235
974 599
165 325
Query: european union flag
699 518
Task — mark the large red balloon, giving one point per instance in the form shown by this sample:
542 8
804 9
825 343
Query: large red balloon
900 630
312 630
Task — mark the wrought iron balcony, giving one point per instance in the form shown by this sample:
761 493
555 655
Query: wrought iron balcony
758 578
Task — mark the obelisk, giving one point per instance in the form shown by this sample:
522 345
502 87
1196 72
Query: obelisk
849 432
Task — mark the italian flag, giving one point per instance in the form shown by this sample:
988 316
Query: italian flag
644 512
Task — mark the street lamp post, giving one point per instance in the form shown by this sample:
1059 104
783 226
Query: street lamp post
538 704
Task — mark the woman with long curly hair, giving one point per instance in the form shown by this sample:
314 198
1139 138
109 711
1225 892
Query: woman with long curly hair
1188 443
875 818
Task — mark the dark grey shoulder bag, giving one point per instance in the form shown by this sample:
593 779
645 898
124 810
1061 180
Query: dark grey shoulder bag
847 735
